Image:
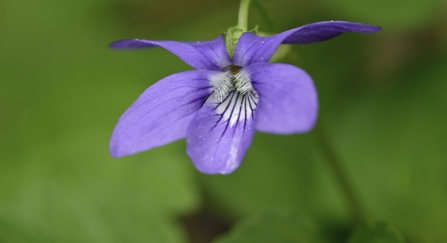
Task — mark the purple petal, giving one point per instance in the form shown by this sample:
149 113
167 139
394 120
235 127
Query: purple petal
254 49
161 114
287 98
208 55
326 30
218 137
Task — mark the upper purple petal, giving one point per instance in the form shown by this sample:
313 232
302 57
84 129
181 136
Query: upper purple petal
254 49
326 30
207 55
215 144
161 114
287 98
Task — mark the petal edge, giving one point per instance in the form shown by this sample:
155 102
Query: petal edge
206 55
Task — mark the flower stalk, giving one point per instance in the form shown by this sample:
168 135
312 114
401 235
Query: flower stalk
242 22
340 174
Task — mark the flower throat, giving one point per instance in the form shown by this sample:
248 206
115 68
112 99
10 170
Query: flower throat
229 81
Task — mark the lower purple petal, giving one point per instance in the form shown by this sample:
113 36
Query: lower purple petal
216 145
287 98
161 114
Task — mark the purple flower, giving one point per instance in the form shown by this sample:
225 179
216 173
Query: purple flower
219 106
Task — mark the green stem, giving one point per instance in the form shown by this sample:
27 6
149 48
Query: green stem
340 174
242 21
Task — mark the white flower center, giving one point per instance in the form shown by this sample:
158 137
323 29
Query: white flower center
234 97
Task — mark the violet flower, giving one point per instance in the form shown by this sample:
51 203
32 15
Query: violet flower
219 106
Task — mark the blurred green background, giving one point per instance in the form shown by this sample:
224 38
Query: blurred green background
383 102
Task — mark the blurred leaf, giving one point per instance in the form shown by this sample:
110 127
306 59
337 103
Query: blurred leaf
62 92
277 226
388 14
378 232
393 141
73 193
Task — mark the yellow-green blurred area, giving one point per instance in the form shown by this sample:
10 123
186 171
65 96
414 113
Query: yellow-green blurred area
383 101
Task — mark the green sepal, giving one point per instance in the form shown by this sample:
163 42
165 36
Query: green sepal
255 30
232 36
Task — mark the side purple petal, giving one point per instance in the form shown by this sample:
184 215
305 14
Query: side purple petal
254 49
214 145
207 55
287 98
161 114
